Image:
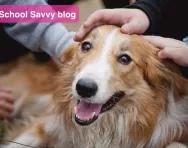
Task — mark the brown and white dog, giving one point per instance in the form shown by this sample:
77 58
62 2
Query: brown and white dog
113 92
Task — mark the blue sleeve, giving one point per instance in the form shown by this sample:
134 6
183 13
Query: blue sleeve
50 37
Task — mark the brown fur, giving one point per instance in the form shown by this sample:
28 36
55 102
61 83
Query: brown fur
29 80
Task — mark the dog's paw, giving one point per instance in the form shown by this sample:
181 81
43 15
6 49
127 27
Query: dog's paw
176 145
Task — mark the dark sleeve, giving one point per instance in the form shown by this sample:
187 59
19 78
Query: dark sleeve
153 9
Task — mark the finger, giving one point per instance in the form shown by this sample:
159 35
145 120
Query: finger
83 31
80 34
156 41
106 15
100 17
94 17
8 97
131 28
88 24
6 90
6 106
3 114
171 53
162 42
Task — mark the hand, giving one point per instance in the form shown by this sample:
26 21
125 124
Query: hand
170 48
6 103
131 20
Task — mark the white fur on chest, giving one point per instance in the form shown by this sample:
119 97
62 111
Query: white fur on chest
172 122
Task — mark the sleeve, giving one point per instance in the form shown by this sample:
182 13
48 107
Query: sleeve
50 37
153 9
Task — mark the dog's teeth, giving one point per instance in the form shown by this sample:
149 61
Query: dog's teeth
93 114
77 116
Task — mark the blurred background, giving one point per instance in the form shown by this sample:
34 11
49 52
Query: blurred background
86 8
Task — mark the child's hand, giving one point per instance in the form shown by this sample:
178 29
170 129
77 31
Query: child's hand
170 48
6 103
131 20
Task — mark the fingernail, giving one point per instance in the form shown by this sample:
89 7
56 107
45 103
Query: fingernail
127 30
123 30
160 55
85 25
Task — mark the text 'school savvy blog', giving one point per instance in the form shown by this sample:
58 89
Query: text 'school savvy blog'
39 13
34 14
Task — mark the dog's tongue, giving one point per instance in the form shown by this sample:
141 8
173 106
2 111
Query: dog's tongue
86 111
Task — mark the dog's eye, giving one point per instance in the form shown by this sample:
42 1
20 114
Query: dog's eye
124 59
86 46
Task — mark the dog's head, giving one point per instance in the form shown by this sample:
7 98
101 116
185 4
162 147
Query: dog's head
110 70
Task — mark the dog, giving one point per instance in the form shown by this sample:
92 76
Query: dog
113 91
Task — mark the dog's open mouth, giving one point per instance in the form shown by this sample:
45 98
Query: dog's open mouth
86 113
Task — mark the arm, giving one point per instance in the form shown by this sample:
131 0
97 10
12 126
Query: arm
154 10
50 37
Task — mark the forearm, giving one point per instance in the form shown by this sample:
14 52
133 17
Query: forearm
154 10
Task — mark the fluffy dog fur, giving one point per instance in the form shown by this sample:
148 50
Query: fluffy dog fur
152 114
31 83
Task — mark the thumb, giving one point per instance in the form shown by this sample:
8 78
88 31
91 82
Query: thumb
169 53
131 28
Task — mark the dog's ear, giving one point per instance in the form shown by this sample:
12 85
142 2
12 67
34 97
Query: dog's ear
165 72
69 53
155 71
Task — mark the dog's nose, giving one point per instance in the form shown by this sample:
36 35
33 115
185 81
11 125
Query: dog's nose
86 88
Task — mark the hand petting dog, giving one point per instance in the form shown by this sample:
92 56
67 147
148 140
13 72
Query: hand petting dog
135 21
171 49
131 20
